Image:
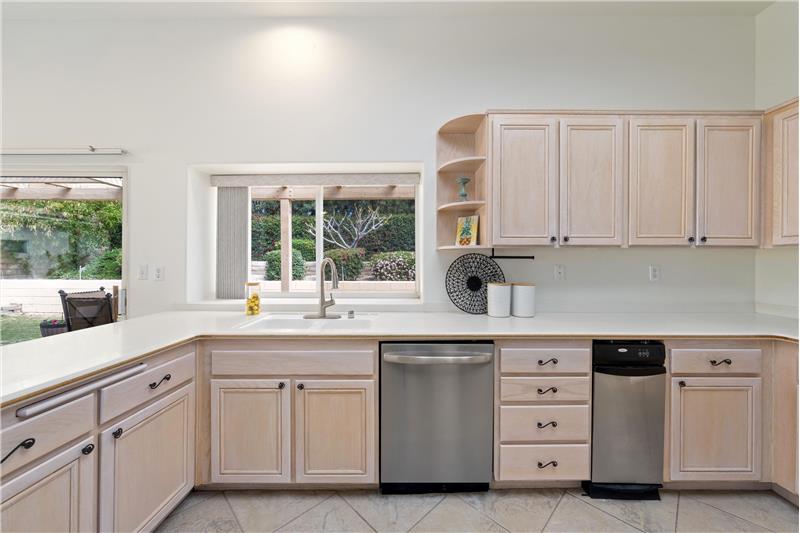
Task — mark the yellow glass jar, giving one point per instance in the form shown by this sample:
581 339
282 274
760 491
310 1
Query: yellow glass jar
252 294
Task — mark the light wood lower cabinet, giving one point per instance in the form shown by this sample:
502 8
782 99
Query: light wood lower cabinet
335 431
715 428
147 463
784 416
251 428
57 495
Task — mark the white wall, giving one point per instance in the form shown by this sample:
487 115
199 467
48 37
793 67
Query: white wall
181 92
776 82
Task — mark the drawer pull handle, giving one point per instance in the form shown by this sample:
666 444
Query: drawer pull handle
551 360
545 391
714 362
155 385
117 433
545 465
89 448
551 423
27 444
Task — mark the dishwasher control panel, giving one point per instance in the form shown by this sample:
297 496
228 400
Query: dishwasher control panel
632 353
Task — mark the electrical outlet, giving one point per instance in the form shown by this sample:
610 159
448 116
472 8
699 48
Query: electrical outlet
159 273
559 272
655 273
144 272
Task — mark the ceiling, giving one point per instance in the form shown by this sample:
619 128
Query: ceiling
99 9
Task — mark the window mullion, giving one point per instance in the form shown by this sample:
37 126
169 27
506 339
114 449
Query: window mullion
319 240
286 244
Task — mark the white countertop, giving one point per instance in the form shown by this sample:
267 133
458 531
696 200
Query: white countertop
32 367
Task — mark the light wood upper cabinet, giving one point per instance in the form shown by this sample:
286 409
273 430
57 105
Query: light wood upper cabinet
784 416
661 182
592 171
715 429
57 495
147 463
251 431
728 170
784 176
524 163
335 425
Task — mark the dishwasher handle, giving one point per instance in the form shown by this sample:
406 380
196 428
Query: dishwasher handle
462 359
630 370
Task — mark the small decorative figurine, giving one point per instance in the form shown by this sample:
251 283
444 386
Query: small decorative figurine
462 181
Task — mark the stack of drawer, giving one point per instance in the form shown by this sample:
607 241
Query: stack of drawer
544 411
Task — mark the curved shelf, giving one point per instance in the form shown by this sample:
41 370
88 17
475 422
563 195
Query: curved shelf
465 124
469 205
463 164
454 247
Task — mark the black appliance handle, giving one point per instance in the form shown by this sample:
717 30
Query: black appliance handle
630 370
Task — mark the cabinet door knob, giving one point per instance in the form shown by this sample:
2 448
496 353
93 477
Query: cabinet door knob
300 386
545 391
703 239
281 385
117 433
553 239
714 362
155 385
551 423
681 384
691 239
566 239
89 448
551 360
27 444
545 465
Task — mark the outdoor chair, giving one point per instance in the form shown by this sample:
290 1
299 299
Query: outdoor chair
87 309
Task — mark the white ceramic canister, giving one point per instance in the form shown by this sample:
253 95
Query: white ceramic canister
499 299
523 299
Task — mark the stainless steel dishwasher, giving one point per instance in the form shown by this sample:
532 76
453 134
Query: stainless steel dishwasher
436 416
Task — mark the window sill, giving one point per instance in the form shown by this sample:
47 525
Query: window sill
308 304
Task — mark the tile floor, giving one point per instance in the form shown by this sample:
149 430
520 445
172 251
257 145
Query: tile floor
500 511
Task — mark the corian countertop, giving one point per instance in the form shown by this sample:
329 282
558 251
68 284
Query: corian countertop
30 368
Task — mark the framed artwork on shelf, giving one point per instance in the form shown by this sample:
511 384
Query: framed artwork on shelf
467 231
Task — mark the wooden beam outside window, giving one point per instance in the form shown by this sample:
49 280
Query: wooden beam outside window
286 245
344 192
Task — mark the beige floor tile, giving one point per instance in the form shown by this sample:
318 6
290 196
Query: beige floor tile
454 514
332 515
695 516
397 512
195 497
763 508
516 510
573 515
211 515
647 515
267 510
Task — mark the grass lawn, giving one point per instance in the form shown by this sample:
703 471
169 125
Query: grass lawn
18 328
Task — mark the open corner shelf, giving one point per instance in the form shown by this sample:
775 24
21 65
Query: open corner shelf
465 124
463 164
469 205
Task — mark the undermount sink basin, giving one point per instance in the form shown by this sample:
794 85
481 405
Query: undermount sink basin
297 322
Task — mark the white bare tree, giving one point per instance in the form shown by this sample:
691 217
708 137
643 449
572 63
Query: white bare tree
347 230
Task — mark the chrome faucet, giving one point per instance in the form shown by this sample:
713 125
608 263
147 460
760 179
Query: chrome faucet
323 303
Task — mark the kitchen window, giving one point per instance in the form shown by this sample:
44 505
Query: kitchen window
366 223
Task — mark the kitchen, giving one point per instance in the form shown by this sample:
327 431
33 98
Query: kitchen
657 203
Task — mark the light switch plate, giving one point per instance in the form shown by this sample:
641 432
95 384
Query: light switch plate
144 272
159 273
559 272
655 273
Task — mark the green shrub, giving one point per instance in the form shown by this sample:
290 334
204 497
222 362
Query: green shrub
105 266
266 234
394 266
349 262
307 247
397 234
272 272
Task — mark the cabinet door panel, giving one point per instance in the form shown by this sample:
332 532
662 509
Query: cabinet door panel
661 187
57 496
728 167
524 179
250 431
716 429
335 424
591 180
785 175
784 416
147 467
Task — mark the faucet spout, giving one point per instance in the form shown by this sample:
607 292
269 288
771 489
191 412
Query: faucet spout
323 303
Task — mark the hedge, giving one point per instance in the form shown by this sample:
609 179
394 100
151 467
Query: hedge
349 262
393 266
397 234
272 272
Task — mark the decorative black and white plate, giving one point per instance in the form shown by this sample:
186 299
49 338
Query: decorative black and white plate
467 279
